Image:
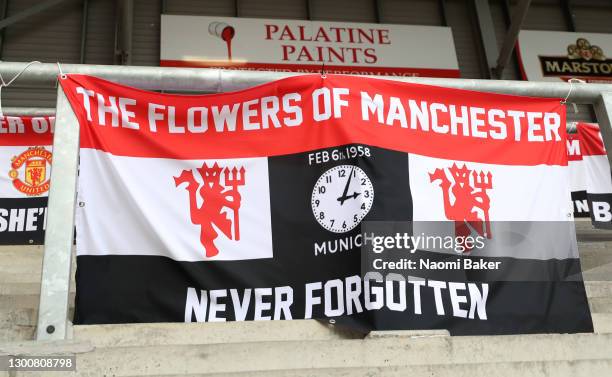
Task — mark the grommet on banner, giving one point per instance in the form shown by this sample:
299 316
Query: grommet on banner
62 74
571 82
4 84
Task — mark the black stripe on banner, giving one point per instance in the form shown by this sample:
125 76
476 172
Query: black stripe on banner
22 220
124 289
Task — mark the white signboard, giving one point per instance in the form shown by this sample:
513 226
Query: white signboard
554 56
304 46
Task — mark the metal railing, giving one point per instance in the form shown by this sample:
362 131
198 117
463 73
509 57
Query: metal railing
54 293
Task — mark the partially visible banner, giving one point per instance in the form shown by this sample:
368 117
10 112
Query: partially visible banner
578 185
25 170
273 203
555 55
597 175
307 46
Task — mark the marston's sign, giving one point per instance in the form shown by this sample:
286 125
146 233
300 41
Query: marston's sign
553 56
304 46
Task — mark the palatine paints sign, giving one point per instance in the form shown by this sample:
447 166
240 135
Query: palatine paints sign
305 46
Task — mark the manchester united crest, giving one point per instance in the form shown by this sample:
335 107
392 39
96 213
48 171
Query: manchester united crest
29 171
466 200
219 193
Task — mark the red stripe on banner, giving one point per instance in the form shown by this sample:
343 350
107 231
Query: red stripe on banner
26 131
310 112
591 143
311 68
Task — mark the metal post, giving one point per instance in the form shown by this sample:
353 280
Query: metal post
41 6
487 33
127 23
570 18
442 9
603 111
29 111
3 13
511 36
124 21
84 30
505 4
57 259
377 11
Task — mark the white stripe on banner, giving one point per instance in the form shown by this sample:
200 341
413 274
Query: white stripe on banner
597 170
577 176
518 193
137 208
529 210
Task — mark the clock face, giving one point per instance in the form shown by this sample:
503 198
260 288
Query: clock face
341 198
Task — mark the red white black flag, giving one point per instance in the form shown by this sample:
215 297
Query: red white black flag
255 205
591 179
25 169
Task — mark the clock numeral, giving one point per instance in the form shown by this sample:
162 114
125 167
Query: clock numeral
355 219
341 173
363 206
344 225
321 215
317 202
332 222
363 182
366 193
321 189
328 179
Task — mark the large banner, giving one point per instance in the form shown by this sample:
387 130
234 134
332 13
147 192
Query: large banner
383 205
307 46
596 175
25 169
554 56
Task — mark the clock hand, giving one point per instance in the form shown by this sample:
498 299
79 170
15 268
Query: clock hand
343 198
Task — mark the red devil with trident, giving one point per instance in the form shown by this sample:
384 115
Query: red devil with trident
215 197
